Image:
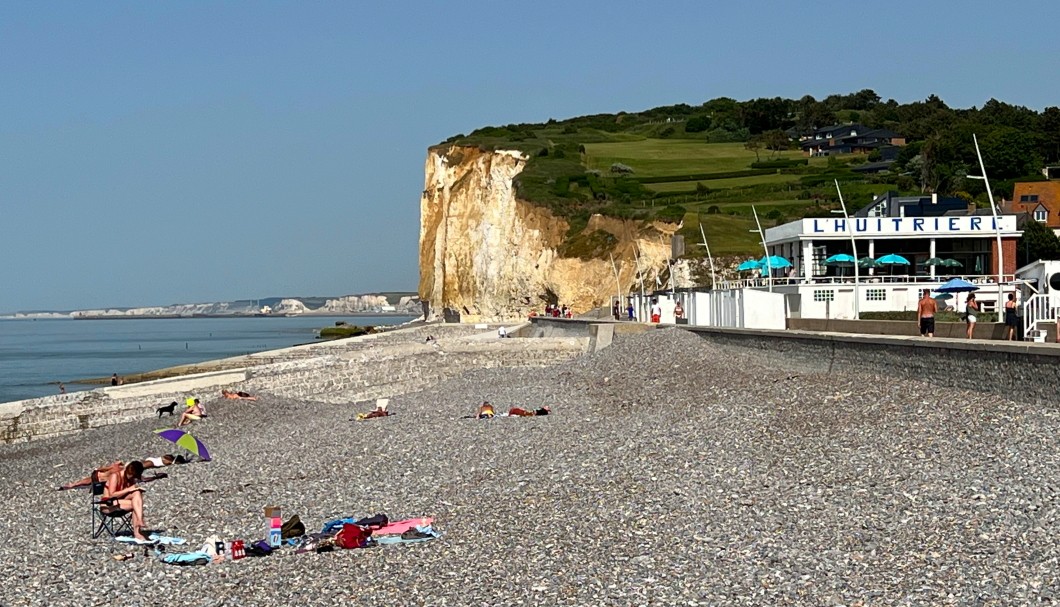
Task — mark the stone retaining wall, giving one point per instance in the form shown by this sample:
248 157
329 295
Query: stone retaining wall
35 418
1016 370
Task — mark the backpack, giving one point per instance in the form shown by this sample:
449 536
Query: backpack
352 536
292 528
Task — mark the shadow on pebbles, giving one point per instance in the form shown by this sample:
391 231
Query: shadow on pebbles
671 472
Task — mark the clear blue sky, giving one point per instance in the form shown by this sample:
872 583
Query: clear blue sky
173 152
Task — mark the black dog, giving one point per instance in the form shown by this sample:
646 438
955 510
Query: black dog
167 409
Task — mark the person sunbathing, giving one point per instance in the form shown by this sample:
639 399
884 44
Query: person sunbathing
123 492
194 412
485 410
518 412
379 411
238 395
103 472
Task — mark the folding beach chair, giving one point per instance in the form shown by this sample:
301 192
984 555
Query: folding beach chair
105 516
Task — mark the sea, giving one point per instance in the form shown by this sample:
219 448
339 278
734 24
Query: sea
36 354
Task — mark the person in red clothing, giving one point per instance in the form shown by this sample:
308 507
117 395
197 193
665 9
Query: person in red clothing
519 412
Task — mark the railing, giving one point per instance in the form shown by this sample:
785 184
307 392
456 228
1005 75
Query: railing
986 283
1038 308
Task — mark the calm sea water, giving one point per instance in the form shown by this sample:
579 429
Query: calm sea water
35 354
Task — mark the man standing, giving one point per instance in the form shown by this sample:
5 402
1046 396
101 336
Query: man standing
925 314
656 311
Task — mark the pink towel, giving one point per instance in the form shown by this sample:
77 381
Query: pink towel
399 527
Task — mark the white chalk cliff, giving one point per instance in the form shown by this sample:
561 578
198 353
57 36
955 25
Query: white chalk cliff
488 255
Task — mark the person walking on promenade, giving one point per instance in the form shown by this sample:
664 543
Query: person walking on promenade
656 311
1010 316
925 314
679 312
971 308
629 309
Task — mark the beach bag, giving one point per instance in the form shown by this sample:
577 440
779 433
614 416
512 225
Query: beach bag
259 548
352 536
374 522
292 528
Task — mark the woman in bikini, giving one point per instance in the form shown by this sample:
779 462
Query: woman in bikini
123 492
971 308
103 472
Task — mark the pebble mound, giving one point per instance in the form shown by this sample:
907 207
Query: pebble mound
672 472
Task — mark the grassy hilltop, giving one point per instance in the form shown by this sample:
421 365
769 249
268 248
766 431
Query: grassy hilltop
708 164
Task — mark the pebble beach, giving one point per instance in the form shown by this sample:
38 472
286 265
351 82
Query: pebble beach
671 472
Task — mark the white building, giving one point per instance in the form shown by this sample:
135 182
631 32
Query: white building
828 292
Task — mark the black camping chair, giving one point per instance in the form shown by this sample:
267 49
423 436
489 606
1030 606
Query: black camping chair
105 515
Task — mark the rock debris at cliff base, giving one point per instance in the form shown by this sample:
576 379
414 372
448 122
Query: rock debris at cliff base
671 472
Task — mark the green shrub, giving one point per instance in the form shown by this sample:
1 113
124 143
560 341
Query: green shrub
705 176
594 245
674 213
783 163
713 210
910 316
344 331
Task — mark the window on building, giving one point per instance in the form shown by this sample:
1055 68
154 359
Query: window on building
875 294
878 210
1041 216
1029 198
824 295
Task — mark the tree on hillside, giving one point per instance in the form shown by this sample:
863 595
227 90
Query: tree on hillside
697 124
754 144
1049 126
776 141
1009 153
1037 242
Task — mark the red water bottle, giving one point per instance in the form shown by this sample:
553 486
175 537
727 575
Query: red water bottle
238 551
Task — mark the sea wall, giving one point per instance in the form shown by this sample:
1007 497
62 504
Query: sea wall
1018 370
67 413
350 370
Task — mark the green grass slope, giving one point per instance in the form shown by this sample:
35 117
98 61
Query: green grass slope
572 172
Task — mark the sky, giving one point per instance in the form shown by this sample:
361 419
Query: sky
154 153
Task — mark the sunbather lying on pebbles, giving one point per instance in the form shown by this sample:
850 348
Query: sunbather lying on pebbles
379 411
238 395
485 410
518 412
104 472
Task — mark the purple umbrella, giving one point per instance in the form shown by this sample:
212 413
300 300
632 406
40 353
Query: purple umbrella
183 438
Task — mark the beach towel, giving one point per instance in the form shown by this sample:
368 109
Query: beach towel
153 539
185 558
412 536
399 527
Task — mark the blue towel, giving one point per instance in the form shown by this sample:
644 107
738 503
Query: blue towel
186 558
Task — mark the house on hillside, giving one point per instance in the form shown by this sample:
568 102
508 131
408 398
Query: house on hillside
1039 199
851 139
890 204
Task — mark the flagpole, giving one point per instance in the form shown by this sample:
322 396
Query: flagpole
997 227
853 249
762 235
713 280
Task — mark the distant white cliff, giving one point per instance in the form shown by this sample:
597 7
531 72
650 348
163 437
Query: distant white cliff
371 303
